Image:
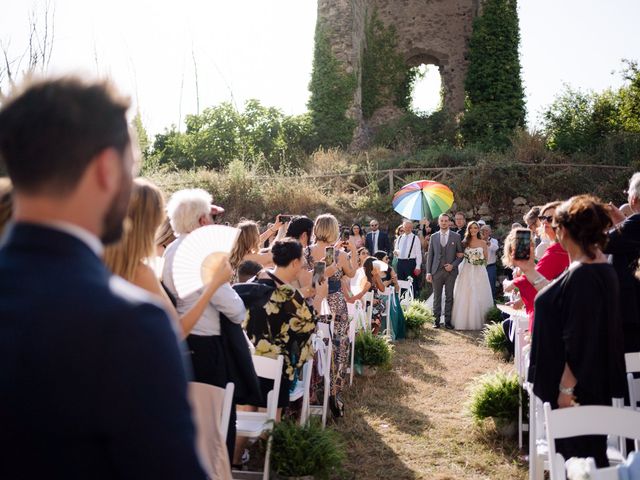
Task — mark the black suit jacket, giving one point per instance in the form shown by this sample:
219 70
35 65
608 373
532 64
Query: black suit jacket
383 242
92 383
624 247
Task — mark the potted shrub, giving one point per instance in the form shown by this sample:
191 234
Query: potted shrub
493 336
416 316
305 452
372 351
496 396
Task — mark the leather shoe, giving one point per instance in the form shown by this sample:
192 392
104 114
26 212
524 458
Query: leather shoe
436 325
448 326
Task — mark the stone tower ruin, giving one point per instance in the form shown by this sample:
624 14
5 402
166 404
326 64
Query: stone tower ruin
428 32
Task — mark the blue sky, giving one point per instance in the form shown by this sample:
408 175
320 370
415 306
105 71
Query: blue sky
263 49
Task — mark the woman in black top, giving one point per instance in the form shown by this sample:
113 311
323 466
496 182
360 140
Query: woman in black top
576 350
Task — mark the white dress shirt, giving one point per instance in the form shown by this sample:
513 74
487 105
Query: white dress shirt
492 248
404 244
225 300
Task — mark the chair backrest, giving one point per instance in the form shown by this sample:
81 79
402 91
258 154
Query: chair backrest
586 420
408 286
634 391
359 315
367 298
632 361
271 369
388 297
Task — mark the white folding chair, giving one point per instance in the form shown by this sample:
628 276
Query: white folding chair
387 298
521 326
632 361
407 286
586 420
303 389
367 298
211 407
252 424
324 349
352 347
359 315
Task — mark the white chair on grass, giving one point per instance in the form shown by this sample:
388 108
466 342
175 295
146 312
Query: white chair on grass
388 297
586 420
407 296
359 315
253 424
303 389
211 407
352 348
367 298
324 349
632 361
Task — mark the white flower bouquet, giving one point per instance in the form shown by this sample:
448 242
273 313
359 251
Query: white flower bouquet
475 257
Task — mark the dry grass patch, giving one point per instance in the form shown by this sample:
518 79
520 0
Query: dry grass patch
410 422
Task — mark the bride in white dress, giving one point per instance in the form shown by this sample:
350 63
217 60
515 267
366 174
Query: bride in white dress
472 292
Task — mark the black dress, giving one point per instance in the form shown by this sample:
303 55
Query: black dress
577 322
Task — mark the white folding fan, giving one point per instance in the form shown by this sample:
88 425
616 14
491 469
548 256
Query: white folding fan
198 253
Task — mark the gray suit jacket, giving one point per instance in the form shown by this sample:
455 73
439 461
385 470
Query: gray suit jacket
436 252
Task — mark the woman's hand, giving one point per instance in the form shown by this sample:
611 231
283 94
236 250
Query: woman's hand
331 270
517 304
508 286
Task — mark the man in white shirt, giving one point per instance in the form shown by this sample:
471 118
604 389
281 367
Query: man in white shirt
409 255
189 210
492 247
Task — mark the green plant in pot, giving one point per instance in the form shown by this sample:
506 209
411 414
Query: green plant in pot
496 395
372 351
305 452
416 316
494 338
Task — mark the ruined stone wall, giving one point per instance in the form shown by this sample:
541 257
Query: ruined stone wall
429 31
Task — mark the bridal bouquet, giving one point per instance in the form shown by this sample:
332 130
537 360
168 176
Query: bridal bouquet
475 257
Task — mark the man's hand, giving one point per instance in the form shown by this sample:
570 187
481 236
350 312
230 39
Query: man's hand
565 400
615 214
429 278
448 267
416 272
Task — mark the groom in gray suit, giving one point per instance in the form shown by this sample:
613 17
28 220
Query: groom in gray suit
442 268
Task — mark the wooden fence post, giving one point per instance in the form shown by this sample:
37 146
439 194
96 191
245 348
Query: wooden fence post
391 182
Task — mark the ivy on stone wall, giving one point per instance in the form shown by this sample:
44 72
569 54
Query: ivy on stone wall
385 75
495 97
332 92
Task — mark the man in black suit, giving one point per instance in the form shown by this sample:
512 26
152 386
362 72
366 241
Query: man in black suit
624 247
376 239
92 384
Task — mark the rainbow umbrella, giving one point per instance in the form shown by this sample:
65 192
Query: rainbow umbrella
423 199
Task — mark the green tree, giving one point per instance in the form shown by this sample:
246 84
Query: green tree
331 95
495 97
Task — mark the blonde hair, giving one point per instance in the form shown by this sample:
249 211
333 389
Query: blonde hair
248 242
165 235
326 228
144 216
6 202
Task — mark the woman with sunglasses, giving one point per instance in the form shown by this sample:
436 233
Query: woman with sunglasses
554 261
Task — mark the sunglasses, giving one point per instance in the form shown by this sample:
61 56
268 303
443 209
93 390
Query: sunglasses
546 218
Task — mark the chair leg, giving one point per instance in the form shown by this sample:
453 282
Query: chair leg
267 460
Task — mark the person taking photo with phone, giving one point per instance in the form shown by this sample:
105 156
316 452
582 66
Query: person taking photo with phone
554 261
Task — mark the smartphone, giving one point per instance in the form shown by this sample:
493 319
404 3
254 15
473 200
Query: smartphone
523 244
329 255
318 273
285 218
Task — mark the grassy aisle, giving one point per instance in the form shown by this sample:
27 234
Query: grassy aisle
410 423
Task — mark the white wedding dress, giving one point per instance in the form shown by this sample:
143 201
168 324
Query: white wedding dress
471 295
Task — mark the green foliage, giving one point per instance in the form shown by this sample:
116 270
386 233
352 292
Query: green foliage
306 450
332 92
417 315
493 315
493 336
373 350
495 395
221 133
495 96
605 123
385 74
413 132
